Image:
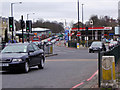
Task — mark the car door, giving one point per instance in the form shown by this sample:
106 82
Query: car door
31 54
38 54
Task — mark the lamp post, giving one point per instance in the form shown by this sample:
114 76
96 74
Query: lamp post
12 16
78 26
64 22
12 7
28 15
82 17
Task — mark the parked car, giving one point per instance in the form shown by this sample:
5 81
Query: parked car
57 39
21 56
112 44
97 46
53 41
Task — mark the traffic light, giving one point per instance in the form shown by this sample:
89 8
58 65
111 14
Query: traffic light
11 24
28 26
86 31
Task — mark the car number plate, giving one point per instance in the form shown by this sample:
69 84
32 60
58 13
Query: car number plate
95 49
4 64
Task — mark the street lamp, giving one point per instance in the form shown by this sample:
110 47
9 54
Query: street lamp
12 16
82 17
12 7
78 27
64 22
29 14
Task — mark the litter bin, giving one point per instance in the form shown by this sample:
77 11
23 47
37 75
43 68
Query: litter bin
49 46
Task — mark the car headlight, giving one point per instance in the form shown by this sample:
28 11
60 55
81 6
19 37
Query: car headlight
16 60
90 47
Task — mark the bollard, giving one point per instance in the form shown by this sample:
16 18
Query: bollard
108 71
51 49
78 46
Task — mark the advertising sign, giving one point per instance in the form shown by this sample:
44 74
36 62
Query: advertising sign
117 30
66 33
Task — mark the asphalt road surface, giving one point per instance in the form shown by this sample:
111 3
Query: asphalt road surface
65 70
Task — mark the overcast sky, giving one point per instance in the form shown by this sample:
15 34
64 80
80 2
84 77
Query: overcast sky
59 10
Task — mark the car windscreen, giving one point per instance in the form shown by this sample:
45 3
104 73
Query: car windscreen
96 44
113 42
15 49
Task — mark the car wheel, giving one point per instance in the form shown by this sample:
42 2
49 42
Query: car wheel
41 65
26 67
89 51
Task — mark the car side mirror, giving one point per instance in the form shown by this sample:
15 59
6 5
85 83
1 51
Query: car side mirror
30 51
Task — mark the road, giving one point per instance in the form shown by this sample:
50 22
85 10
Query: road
65 70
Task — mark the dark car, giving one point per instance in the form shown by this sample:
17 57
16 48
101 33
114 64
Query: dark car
97 46
21 56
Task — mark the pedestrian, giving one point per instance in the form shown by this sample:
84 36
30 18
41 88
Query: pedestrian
65 43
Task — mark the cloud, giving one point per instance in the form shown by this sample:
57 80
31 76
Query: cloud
60 8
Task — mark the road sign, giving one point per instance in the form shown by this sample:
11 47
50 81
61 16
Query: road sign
78 34
66 35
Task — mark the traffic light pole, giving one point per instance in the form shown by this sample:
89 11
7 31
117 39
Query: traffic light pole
22 30
28 37
11 26
12 35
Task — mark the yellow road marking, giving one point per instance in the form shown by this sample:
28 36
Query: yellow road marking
72 60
